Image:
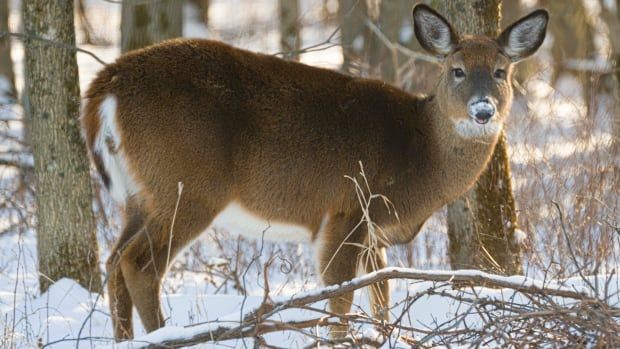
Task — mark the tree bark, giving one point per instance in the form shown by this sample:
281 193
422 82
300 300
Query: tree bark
351 14
612 18
573 37
143 24
8 94
290 39
383 62
203 7
90 37
66 241
616 61
572 30
482 223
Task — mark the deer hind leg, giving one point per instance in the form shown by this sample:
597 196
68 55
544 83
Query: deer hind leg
337 263
374 258
120 300
145 260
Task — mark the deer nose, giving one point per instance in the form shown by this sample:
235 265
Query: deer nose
481 110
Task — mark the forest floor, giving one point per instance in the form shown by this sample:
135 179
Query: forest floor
68 316
558 154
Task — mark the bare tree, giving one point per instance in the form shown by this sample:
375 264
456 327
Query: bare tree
482 223
203 7
290 39
611 15
145 23
351 14
88 31
573 38
7 76
388 22
67 245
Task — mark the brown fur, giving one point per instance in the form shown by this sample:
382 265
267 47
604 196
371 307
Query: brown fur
278 137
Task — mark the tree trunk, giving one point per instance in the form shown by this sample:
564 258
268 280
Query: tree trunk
8 95
67 245
573 37
143 24
384 62
203 7
90 38
612 18
290 40
27 118
351 14
482 223
616 61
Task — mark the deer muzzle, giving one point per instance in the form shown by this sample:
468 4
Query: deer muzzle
481 110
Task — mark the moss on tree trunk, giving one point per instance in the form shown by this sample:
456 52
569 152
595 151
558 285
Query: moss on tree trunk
66 242
482 223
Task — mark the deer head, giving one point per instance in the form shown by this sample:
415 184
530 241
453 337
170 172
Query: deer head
475 89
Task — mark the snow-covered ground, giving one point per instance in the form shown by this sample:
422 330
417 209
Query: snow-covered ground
198 291
68 316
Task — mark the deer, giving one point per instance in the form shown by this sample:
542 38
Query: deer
264 144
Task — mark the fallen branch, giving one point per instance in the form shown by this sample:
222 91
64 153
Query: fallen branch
257 322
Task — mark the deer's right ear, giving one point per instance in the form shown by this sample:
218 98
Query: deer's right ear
433 31
525 36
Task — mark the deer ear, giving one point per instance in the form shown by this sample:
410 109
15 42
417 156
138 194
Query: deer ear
433 31
524 37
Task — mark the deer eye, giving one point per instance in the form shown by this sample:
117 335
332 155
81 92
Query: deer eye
500 74
458 73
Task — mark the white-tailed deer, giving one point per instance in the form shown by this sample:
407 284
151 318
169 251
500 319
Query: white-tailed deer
257 139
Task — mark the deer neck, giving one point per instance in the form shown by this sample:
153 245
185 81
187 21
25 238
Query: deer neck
442 165
458 160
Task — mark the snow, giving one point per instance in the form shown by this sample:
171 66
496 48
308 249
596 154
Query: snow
67 312
196 297
520 236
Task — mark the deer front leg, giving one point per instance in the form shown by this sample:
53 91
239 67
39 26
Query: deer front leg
338 254
374 258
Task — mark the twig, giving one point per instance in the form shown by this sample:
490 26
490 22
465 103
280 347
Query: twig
53 43
249 326
570 247
174 217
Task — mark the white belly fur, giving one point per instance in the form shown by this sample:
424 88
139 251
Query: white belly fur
238 220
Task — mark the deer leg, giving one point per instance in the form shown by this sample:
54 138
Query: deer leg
120 300
338 253
145 261
372 259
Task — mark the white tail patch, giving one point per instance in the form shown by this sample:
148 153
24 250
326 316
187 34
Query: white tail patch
108 146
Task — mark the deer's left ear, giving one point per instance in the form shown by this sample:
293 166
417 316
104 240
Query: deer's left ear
525 36
433 32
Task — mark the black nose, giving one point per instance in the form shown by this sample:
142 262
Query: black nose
482 109
485 114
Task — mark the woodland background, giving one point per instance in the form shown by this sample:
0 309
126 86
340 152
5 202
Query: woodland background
548 209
